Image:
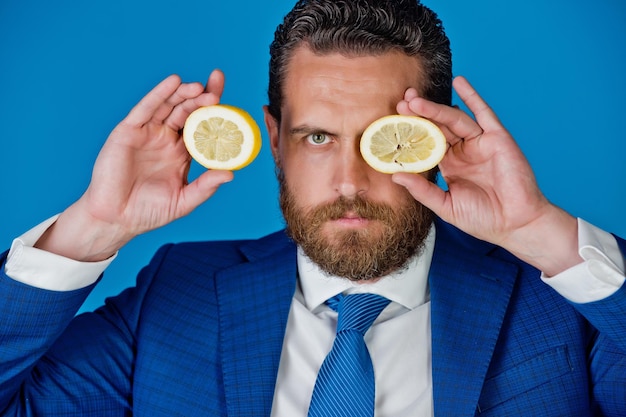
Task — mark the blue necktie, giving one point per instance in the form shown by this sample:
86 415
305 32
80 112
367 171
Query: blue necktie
345 382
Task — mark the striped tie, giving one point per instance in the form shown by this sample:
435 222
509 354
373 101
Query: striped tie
345 382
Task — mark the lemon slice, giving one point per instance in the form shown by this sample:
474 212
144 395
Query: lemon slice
222 137
400 143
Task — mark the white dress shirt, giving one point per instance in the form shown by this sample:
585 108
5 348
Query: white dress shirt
402 361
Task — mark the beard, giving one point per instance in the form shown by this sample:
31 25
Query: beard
395 234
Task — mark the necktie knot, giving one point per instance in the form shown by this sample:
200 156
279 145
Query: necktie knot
357 311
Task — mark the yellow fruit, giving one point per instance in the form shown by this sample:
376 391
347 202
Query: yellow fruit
400 143
222 137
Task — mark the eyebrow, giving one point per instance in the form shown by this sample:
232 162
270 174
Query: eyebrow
308 130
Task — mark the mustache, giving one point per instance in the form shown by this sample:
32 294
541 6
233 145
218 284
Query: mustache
358 205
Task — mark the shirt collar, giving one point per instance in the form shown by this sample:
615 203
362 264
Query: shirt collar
407 287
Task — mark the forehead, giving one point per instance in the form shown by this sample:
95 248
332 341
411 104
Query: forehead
364 81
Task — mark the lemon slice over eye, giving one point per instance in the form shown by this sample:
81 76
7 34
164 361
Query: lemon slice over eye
222 137
400 143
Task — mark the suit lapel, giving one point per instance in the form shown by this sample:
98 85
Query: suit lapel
470 292
254 302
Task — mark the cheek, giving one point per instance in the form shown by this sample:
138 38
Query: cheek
304 189
287 157
307 187
304 173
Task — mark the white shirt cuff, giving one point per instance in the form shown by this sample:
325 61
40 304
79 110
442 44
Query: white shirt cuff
46 270
599 276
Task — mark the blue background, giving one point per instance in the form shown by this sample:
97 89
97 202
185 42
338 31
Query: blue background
69 71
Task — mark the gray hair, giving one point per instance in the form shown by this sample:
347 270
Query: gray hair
364 27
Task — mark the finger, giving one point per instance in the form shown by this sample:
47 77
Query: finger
424 191
410 94
202 188
178 116
216 82
458 122
484 115
451 138
213 93
403 108
144 110
182 93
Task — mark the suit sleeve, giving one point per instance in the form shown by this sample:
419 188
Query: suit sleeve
607 354
52 363
608 315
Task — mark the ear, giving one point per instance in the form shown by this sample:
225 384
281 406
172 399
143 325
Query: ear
272 127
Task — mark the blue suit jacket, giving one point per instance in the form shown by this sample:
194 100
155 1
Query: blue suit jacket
201 335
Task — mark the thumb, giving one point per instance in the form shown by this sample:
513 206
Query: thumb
424 191
202 188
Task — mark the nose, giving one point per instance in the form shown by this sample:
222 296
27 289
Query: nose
351 174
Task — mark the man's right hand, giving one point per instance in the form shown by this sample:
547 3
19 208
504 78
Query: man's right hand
139 181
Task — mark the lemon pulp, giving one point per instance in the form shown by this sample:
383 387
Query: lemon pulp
217 138
399 143
222 137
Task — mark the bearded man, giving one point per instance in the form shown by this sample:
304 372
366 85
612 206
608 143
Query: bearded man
386 295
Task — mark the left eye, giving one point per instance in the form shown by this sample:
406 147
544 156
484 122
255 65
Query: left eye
317 138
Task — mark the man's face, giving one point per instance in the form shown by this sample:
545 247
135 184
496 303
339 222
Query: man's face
349 219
